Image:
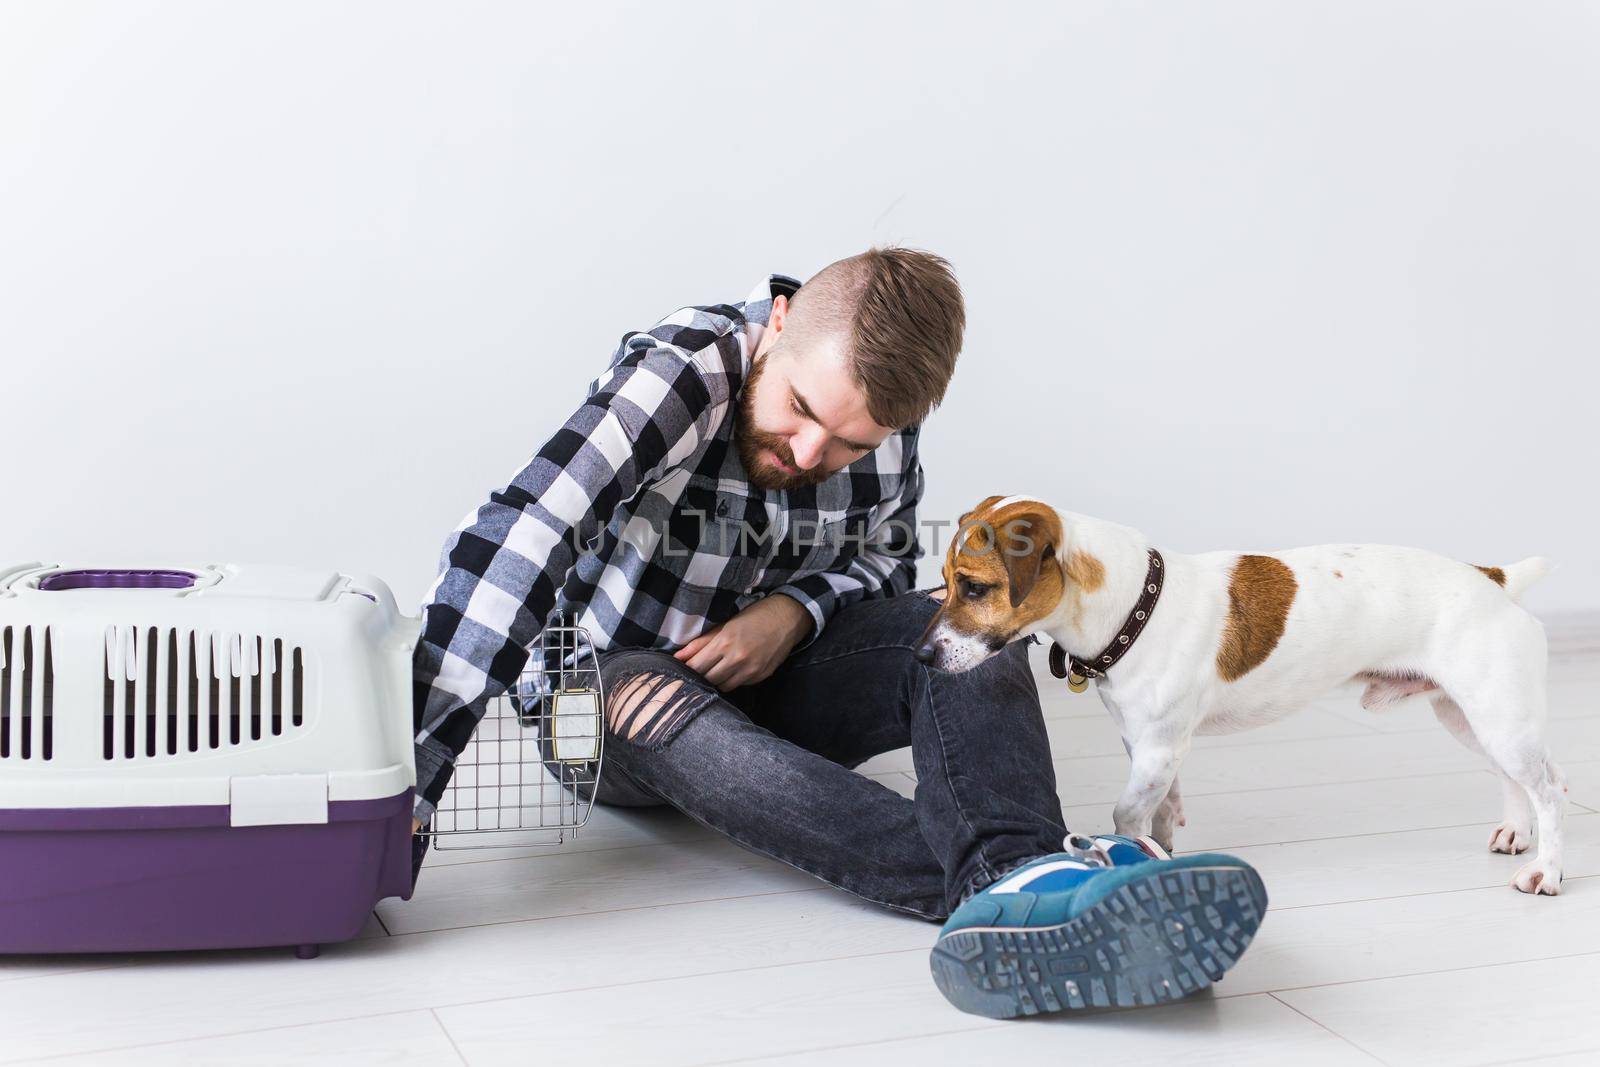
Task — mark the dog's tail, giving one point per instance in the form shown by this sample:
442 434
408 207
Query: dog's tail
1519 576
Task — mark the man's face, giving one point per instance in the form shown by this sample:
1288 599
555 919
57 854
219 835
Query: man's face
801 416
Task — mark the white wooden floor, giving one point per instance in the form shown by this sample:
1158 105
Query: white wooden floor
1392 936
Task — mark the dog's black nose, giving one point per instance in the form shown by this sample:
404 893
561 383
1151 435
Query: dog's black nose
924 652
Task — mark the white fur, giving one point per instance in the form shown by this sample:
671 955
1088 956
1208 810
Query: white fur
1356 609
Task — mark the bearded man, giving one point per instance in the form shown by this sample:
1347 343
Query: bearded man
732 515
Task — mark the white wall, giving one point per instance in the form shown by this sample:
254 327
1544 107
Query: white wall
302 281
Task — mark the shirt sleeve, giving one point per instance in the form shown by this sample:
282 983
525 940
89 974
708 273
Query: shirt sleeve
501 569
885 563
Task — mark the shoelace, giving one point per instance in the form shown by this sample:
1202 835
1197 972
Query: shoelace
1086 850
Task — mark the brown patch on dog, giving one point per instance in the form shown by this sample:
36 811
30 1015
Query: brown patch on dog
1085 571
1259 595
1494 574
1338 574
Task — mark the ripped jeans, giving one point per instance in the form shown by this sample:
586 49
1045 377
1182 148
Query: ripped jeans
769 765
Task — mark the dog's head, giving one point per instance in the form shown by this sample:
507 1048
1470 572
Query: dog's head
1002 574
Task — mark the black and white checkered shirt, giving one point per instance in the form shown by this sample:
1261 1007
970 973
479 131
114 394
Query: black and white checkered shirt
637 519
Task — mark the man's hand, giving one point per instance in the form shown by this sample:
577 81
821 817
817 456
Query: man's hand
748 647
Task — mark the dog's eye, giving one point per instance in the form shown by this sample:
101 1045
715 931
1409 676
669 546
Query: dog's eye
974 590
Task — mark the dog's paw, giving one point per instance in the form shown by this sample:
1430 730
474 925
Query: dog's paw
1168 816
1510 839
1536 878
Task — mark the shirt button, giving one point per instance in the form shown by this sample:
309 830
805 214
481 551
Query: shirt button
722 507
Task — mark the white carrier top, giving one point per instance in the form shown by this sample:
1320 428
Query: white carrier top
276 690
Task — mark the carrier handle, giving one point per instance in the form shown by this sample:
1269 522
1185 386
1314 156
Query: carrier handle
117 579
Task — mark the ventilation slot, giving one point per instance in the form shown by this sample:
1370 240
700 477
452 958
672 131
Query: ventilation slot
171 692
27 693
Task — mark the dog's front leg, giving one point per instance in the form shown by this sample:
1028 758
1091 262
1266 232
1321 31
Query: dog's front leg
1155 754
1169 815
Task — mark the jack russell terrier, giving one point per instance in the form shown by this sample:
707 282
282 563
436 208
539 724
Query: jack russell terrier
1220 642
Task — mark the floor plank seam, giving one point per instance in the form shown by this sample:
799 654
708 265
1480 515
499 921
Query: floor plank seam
558 850
607 911
673 978
215 1037
1592 1050
1430 893
709 836
448 1036
1353 837
976 1028
1329 1030
1188 792
1419 974
63 974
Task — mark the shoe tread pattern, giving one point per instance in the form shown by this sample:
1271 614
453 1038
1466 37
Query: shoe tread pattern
1149 942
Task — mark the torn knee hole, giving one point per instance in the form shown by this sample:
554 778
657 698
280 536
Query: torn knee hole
646 705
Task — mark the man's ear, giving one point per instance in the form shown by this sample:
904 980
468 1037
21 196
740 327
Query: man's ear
1038 534
775 323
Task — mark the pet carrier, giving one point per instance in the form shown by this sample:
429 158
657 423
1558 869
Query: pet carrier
200 757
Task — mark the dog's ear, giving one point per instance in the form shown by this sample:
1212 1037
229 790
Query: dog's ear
1027 541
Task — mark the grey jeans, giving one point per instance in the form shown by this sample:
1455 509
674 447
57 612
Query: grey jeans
769 765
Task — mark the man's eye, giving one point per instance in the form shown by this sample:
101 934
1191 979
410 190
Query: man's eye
794 406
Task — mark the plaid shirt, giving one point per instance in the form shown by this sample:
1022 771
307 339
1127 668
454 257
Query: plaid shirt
636 519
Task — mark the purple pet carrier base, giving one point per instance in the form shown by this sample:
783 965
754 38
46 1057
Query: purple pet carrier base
182 878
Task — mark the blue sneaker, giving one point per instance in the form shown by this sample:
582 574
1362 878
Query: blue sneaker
1113 922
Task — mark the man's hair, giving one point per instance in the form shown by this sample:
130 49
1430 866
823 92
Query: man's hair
901 312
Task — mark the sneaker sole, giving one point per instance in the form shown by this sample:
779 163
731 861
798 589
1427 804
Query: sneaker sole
1150 942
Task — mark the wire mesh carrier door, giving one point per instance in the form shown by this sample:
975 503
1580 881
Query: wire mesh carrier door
528 774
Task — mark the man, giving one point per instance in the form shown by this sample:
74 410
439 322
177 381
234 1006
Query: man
731 513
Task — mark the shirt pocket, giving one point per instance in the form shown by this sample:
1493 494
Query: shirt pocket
826 544
714 523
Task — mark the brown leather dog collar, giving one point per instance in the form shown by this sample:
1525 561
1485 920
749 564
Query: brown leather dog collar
1081 672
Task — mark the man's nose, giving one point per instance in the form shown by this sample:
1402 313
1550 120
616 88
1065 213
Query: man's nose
807 448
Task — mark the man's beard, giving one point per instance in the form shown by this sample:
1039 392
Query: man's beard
756 444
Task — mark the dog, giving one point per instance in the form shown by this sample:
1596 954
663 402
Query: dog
1224 641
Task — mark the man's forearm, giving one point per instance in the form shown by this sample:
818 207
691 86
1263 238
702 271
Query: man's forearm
872 574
